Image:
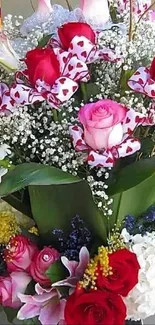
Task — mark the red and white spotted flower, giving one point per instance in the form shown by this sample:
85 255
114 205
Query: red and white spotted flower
80 40
143 80
6 102
51 75
107 132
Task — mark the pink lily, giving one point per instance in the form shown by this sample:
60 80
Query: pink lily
95 11
76 269
40 16
46 303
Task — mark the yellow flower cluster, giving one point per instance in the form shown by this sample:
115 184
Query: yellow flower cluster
99 262
8 226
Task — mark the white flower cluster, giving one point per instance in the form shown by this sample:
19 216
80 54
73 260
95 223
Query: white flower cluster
141 300
34 136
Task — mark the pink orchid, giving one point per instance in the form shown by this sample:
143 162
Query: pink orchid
95 11
82 42
51 75
76 269
40 16
106 140
11 286
143 80
46 303
6 102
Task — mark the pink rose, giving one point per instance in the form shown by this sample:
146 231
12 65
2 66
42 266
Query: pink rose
19 253
102 122
11 286
41 262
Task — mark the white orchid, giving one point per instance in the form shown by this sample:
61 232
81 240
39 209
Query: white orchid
8 57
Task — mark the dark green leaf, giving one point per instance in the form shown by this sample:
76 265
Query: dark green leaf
134 190
43 42
55 206
133 174
33 174
10 313
57 272
147 145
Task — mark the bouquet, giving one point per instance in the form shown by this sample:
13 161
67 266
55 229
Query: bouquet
77 160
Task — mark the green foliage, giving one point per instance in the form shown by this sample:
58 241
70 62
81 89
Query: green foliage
33 174
134 190
43 42
10 313
57 272
55 206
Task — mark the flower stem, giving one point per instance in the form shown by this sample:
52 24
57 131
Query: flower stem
69 6
84 91
131 21
55 115
32 5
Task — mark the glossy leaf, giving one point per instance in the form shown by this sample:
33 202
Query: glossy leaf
57 272
55 206
133 175
33 174
134 190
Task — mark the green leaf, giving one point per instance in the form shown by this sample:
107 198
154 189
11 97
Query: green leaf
125 75
33 174
57 272
134 190
55 206
133 174
10 313
43 42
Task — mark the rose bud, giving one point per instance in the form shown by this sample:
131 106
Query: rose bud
41 261
102 123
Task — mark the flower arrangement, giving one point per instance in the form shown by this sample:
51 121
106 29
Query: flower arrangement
77 157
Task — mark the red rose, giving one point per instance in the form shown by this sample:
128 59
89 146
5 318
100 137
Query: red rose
42 64
95 307
125 269
42 260
68 31
19 253
152 70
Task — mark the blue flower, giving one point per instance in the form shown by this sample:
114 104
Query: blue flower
79 236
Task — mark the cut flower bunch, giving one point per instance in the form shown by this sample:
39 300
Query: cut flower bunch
77 157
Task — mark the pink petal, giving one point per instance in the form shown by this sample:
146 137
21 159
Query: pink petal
52 313
70 265
83 262
28 311
44 7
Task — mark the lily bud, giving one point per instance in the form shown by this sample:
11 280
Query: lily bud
8 57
